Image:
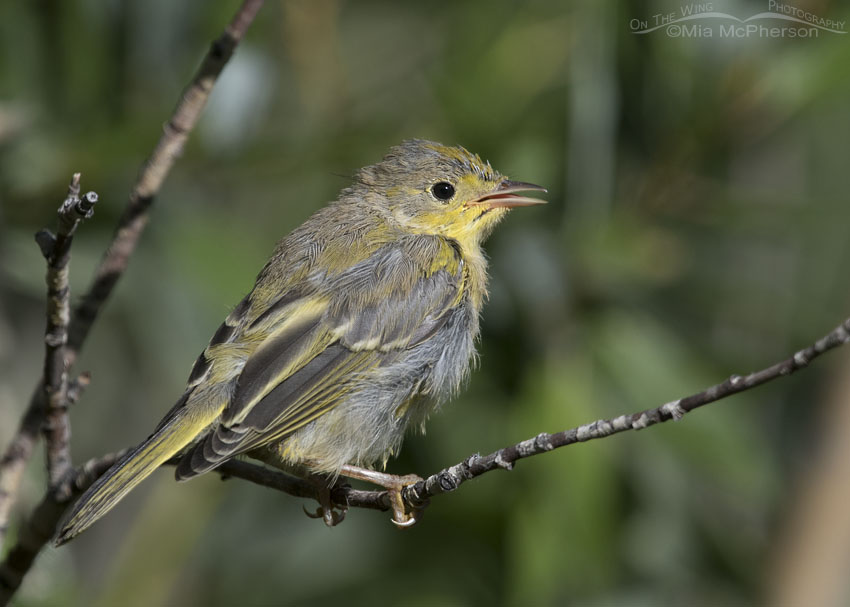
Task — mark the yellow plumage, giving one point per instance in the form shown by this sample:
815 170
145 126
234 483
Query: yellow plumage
361 324
110 488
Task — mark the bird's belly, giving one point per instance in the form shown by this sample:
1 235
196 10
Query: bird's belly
368 426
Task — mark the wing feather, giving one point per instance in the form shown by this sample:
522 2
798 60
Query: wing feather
272 363
311 346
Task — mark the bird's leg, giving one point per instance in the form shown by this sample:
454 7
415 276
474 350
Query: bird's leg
394 485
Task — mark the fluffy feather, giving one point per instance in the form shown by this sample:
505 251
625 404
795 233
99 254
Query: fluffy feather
361 324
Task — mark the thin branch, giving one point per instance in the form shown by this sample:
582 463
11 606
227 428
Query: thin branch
54 384
451 478
175 133
57 252
341 495
130 227
40 527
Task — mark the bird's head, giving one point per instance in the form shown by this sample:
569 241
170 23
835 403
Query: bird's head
435 189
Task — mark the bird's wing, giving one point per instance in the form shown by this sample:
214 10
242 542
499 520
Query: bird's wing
308 346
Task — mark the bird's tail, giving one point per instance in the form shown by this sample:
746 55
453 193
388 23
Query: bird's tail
172 436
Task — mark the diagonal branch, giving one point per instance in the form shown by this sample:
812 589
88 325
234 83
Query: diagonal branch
130 227
154 171
451 478
342 495
417 495
42 524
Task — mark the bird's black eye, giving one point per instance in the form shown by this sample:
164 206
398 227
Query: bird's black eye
443 190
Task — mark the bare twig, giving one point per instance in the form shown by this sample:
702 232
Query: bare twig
130 227
54 384
341 495
41 525
57 252
451 478
40 528
175 133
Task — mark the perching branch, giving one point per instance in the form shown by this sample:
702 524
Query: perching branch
42 525
57 251
130 227
449 479
342 494
476 465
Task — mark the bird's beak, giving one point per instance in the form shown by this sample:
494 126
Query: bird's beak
505 197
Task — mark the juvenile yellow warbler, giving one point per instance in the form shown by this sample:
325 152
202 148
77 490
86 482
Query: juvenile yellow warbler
362 322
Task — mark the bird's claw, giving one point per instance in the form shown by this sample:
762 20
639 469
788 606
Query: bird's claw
316 514
411 520
395 486
331 517
326 510
401 517
336 517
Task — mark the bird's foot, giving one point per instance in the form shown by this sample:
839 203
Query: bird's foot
394 485
326 510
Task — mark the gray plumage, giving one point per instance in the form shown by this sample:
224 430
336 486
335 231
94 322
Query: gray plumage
360 325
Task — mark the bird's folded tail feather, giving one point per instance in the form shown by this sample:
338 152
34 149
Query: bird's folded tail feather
109 489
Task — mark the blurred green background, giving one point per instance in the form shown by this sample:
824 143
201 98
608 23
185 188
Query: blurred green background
697 227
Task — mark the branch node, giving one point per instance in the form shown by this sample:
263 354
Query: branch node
467 465
76 387
527 447
501 462
674 409
544 441
597 429
641 421
447 481
622 422
222 48
55 339
800 358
